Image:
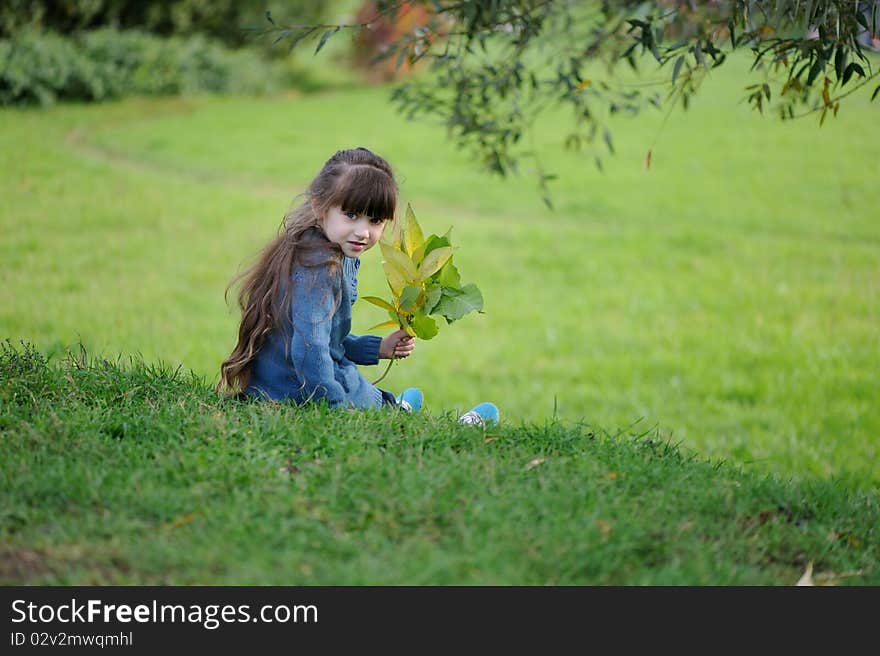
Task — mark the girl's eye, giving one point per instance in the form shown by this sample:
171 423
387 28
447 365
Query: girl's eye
351 215
376 221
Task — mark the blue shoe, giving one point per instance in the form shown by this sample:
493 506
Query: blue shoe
485 414
410 400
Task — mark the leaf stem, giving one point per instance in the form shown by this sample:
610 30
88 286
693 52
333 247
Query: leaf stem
387 369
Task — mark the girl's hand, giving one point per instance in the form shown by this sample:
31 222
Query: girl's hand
397 345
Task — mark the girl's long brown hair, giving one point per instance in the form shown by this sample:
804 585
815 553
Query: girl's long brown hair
355 180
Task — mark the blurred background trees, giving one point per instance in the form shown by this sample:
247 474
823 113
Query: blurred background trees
498 65
92 50
486 69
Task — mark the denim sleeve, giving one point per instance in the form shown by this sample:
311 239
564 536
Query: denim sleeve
315 293
363 349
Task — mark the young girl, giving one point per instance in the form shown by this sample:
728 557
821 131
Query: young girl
294 341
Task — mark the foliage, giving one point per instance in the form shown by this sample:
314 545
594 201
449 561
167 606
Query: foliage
423 280
134 472
499 65
41 68
224 20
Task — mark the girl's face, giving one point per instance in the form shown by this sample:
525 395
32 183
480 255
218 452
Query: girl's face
354 233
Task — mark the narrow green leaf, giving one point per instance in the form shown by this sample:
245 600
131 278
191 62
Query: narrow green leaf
385 325
400 58
413 238
839 62
608 141
847 74
808 13
677 68
385 305
419 254
434 261
324 38
876 92
817 67
698 53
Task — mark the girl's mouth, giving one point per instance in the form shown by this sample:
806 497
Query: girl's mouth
356 245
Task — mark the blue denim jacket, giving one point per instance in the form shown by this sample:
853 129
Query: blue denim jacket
317 359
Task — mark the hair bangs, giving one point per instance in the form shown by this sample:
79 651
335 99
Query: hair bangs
367 190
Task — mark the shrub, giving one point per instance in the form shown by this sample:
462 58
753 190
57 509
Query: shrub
224 20
40 68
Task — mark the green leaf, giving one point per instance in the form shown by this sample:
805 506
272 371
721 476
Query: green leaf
396 280
434 242
839 62
385 325
698 53
409 299
418 255
393 236
455 303
876 92
378 301
434 261
677 68
400 262
432 296
324 38
449 276
817 67
608 141
424 326
412 236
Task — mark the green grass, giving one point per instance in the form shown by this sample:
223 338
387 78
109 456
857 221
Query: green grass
729 295
725 300
138 474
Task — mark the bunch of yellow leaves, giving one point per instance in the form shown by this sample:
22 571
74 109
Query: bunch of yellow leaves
423 280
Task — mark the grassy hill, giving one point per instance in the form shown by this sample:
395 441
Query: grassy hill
728 295
136 473
685 356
